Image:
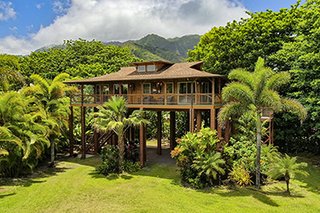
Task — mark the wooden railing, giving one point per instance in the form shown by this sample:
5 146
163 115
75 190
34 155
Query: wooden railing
151 99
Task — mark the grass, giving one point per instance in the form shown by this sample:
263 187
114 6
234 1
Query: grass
75 187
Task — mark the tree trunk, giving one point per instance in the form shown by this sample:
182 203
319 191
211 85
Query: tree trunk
258 150
121 150
51 153
287 178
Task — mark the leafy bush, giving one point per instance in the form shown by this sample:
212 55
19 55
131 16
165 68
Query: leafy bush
198 159
130 166
240 175
110 161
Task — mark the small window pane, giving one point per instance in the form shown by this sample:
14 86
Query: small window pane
151 68
124 88
183 88
146 88
169 87
105 89
116 89
141 68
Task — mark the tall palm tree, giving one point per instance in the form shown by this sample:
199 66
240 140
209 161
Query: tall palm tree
286 167
112 116
256 91
53 102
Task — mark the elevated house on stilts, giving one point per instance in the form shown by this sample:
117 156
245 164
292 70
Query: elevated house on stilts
158 86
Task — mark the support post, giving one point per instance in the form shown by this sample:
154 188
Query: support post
213 90
219 130
71 138
159 132
199 120
83 131
95 136
188 121
172 129
142 145
191 120
212 118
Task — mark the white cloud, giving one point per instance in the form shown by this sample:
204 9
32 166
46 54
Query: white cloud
128 19
6 11
61 6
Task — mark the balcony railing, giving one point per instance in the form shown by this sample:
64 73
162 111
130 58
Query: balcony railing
151 99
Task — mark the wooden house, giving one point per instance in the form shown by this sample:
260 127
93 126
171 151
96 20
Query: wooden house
155 85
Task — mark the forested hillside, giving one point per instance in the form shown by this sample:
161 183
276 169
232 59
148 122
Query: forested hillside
287 40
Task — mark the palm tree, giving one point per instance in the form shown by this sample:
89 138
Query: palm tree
256 91
112 116
286 167
53 105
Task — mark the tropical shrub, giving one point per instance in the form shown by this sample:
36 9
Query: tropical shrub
198 158
111 161
240 175
286 167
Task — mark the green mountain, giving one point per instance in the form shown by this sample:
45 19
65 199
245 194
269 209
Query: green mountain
154 47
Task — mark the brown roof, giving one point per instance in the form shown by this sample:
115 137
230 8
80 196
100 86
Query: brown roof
174 71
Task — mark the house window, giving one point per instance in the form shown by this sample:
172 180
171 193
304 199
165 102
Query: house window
151 68
146 88
141 68
185 87
124 88
170 87
105 89
116 89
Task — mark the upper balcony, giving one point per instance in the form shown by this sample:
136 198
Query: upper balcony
183 101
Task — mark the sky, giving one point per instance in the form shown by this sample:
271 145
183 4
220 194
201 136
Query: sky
27 25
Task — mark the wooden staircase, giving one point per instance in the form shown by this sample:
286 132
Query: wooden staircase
102 139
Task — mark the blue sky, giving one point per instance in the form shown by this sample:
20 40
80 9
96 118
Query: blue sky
26 25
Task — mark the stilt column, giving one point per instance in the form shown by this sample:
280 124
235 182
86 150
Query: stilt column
199 120
172 129
83 132
159 132
71 138
142 143
191 120
95 136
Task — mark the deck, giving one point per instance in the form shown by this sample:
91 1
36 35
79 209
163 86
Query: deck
153 101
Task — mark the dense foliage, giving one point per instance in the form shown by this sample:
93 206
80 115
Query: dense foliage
78 58
256 92
111 162
199 159
23 134
287 40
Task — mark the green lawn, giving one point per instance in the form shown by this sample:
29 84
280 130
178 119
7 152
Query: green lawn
75 187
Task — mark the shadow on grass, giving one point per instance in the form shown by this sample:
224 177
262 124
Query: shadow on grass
7 195
27 181
249 192
111 176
